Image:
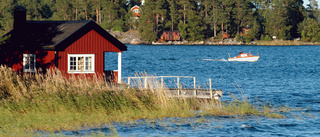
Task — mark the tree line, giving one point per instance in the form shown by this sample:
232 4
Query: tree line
195 19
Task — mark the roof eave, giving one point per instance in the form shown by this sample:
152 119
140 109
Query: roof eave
91 25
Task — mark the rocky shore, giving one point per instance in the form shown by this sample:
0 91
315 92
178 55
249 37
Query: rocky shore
133 37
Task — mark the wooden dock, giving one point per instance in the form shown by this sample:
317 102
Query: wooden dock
157 83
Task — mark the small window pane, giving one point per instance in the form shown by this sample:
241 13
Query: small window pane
29 62
81 63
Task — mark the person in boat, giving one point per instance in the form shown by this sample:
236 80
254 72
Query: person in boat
241 51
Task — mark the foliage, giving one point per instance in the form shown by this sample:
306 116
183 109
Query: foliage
3 40
266 38
196 20
310 30
183 30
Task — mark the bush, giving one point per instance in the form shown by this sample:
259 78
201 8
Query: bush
266 38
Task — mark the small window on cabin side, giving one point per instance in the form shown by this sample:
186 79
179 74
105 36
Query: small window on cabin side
29 62
176 33
81 63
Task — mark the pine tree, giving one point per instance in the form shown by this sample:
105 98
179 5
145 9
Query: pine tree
276 20
211 17
183 30
47 7
61 10
173 15
225 15
242 13
310 30
33 8
313 10
147 27
195 30
6 16
295 13
160 11
114 15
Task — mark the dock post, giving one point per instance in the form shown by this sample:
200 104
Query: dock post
210 88
178 84
129 79
161 83
194 87
145 82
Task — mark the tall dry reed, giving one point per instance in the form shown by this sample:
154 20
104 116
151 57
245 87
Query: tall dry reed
52 102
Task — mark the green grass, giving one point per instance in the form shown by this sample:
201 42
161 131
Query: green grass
50 102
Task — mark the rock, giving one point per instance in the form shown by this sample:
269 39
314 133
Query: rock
131 37
136 41
115 33
125 41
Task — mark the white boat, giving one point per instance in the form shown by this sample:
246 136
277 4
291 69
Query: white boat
248 57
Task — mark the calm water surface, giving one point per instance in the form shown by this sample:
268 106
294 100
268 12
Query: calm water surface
283 76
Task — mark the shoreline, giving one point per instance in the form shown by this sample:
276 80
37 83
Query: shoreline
233 43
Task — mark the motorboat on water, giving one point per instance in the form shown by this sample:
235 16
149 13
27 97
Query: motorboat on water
248 57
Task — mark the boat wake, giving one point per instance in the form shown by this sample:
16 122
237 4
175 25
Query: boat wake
215 59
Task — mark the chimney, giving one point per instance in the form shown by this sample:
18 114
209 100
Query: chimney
19 17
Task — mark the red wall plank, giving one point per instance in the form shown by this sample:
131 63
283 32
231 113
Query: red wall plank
90 43
44 59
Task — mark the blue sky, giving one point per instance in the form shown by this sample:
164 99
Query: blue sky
305 2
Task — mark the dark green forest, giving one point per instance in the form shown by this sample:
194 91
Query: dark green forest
195 19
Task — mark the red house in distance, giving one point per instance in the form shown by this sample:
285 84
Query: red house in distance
135 10
170 36
73 47
245 32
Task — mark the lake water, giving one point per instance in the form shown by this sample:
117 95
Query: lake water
283 76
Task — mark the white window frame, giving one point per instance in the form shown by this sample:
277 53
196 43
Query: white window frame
136 11
76 65
28 62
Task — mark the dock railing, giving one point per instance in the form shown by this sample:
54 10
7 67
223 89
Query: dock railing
156 82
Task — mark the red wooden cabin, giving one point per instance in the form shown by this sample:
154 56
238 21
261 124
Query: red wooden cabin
170 35
73 47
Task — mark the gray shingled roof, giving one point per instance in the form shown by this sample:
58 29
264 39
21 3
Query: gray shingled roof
55 35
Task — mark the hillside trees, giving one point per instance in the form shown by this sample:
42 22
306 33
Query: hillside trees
276 20
195 19
6 17
147 22
211 8
313 10
173 16
114 15
310 30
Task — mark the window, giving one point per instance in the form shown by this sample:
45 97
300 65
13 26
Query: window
81 63
136 11
29 62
